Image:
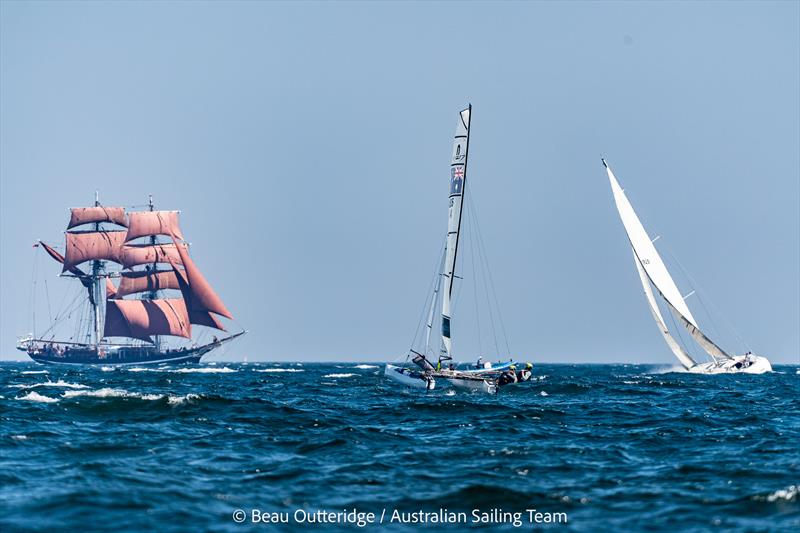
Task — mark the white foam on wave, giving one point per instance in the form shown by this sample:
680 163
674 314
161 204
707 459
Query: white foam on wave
59 383
338 375
789 494
34 396
278 370
34 372
450 393
175 400
667 370
204 370
122 393
143 369
543 393
98 393
19 437
107 368
364 367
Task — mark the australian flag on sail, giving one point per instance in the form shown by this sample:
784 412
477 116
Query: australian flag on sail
456 179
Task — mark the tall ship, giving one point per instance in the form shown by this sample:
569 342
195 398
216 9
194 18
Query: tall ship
139 293
653 271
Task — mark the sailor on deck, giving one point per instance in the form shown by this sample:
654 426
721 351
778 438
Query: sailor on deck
525 373
508 377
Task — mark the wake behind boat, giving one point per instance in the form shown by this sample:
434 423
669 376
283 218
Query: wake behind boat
418 369
141 324
652 270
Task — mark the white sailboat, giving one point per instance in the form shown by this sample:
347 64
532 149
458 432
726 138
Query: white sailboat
478 376
652 270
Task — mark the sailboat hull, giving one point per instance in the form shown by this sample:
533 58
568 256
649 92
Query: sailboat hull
411 378
738 364
55 354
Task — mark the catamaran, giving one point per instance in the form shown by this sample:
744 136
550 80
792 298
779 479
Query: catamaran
485 376
144 323
652 271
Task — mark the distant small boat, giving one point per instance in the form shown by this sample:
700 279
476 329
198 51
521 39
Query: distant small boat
487 376
651 269
141 322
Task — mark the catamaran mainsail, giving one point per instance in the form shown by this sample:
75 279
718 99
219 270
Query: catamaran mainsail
151 269
652 270
481 376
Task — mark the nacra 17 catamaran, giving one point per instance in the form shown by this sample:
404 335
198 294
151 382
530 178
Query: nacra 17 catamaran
130 239
651 269
478 376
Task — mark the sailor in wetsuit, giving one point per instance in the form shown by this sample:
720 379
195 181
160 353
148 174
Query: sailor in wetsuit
525 374
508 377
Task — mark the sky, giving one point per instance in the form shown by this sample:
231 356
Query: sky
308 148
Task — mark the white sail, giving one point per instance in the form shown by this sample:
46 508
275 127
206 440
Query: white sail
434 298
676 348
702 339
647 257
458 180
645 251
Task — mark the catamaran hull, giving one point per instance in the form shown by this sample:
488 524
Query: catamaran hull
408 377
482 385
739 364
119 355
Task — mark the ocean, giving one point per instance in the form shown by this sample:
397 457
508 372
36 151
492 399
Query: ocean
291 446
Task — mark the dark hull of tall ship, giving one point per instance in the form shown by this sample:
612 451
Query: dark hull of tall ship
119 355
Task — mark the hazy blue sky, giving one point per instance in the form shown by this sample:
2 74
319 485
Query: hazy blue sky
308 146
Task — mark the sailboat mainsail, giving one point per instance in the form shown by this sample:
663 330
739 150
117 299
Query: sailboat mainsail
458 181
652 269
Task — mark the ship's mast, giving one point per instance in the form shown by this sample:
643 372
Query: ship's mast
97 277
152 295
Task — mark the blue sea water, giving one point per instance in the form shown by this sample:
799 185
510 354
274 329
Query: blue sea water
615 447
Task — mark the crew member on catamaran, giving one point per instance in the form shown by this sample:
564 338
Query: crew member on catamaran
508 377
479 364
525 373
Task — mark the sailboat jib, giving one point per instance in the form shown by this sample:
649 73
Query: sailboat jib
458 181
676 348
645 250
434 298
702 339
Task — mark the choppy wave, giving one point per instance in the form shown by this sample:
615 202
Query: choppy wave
59 383
364 367
789 494
205 370
613 446
34 396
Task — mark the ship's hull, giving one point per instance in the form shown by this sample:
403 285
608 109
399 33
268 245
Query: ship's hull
738 364
54 354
